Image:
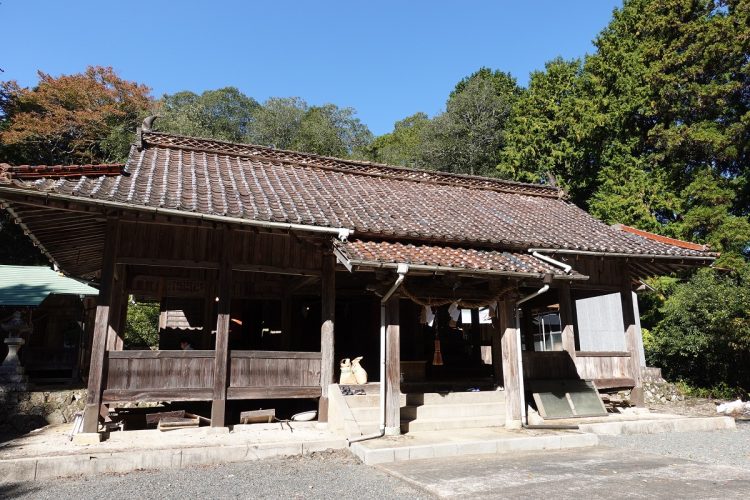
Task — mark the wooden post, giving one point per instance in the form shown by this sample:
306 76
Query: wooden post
392 368
286 322
631 340
327 332
221 352
497 350
101 328
115 331
567 319
511 376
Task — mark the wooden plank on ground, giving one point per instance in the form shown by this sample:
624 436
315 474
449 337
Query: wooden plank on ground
258 416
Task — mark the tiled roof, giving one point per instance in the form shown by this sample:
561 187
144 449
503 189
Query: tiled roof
379 253
26 172
375 201
30 285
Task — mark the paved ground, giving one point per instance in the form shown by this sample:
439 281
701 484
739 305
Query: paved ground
318 476
718 447
677 465
670 465
590 473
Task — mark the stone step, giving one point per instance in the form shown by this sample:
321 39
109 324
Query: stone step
368 401
432 398
453 411
365 414
440 424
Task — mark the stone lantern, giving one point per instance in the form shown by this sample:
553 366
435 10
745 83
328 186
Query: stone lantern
11 372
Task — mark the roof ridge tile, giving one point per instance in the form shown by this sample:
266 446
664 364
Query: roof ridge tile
360 167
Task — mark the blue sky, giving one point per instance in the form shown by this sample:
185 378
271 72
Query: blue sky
386 59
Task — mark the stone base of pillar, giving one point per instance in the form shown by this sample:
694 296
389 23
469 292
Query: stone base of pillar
513 424
637 397
86 438
393 431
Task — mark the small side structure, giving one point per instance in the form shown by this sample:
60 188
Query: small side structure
272 263
46 317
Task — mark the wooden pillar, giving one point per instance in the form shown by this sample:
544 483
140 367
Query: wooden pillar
327 332
221 351
511 375
392 368
116 329
567 320
631 340
497 350
101 327
286 322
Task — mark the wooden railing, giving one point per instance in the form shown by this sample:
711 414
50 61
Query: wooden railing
159 375
189 375
548 365
273 374
607 369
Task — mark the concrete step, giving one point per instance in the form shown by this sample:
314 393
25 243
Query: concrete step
366 414
453 411
413 448
441 424
431 398
368 400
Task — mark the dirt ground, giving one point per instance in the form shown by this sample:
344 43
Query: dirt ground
690 407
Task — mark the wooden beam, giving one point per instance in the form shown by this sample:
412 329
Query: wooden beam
221 363
256 268
392 368
126 395
138 261
511 375
327 331
568 320
101 327
277 392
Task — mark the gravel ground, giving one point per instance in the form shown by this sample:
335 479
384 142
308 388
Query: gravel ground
317 476
715 447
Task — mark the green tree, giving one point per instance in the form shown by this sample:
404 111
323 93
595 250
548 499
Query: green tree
469 135
704 336
550 128
331 131
403 145
142 325
278 121
289 123
670 82
225 114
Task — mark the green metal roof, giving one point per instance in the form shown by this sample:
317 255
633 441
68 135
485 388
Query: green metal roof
30 285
